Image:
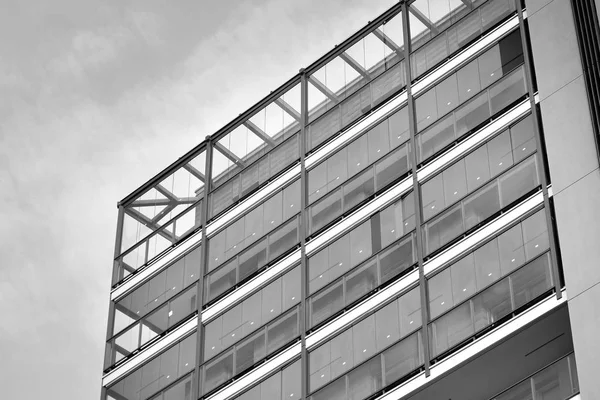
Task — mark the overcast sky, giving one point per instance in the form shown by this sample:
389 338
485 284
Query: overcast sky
96 97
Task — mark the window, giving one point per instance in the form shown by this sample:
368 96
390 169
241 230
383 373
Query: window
360 243
487 264
251 227
158 373
252 314
365 338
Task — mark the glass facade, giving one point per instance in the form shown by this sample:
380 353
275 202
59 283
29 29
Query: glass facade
308 232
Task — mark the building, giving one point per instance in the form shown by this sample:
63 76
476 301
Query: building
412 216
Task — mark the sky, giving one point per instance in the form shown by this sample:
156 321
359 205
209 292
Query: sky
96 97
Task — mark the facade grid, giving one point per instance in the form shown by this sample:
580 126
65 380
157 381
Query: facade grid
382 220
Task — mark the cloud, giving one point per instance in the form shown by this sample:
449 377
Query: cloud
94 104
90 51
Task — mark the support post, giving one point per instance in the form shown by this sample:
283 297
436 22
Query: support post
416 192
303 232
196 389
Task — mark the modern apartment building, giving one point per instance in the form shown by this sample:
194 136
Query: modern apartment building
412 216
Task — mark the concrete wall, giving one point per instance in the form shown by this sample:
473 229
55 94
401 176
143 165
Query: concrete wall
574 172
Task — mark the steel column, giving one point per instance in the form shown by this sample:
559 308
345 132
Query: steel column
303 231
203 262
416 192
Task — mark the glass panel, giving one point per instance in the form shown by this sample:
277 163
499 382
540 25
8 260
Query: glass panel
396 259
361 282
535 235
365 380
532 281
333 391
491 305
326 303
445 228
158 373
250 315
500 154
330 360
478 207
436 138
283 239
359 189
554 382
252 260
157 290
325 211
522 391
357 156
451 329
468 81
481 206
282 331
360 78
508 91
510 245
519 181
440 293
402 359
523 138
249 352
251 227
473 114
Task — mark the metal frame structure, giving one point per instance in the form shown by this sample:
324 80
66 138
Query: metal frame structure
308 245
